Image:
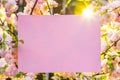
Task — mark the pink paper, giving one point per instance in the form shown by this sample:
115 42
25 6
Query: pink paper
59 44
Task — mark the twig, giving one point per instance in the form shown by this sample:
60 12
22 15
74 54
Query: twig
41 12
111 46
66 5
87 77
99 74
116 8
2 23
48 6
33 7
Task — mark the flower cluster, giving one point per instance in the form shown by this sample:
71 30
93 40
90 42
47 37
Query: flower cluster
110 38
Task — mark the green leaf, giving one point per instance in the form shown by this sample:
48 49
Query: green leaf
3 45
118 54
20 9
119 64
111 67
4 36
19 74
22 41
110 64
2 70
103 56
9 26
16 44
82 75
15 32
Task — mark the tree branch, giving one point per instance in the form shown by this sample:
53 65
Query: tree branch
66 5
2 23
111 46
48 6
33 7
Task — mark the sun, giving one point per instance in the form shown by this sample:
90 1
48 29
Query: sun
87 13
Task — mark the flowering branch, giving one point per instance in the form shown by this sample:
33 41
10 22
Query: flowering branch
33 7
111 46
48 6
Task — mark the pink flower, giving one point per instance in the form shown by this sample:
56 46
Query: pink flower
9 58
113 35
118 19
41 1
118 69
54 4
103 47
28 78
2 62
11 70
72 75
11 6
118 44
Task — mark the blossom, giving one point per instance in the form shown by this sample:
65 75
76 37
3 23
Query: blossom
11 6
113 35
56 78
2 62
41 1
103 47
54 4
114 4
9 58
44 8
104 62
118 45
11 70
64 74
28 78
8 38
72 75
113 53
27 9
118 69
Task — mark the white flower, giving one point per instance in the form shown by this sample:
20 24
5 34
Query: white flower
104 2
2 52
28 78
103 47
11 6
113 35
118 69
27 10
113 54
8 38
104 62
114 4
2 62
87 73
